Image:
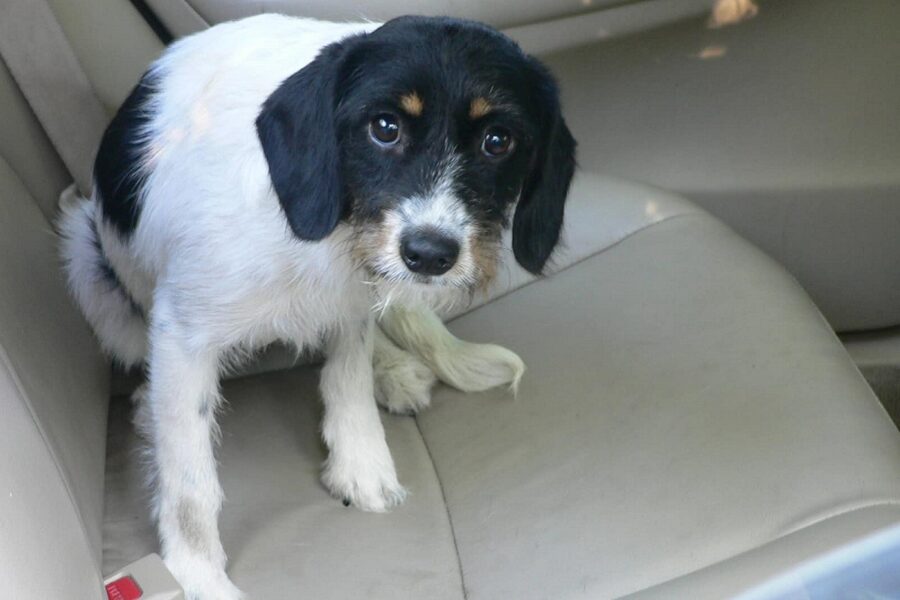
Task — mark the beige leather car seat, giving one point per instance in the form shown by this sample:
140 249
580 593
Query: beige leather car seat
689 424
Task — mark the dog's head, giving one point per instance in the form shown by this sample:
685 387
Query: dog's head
423 135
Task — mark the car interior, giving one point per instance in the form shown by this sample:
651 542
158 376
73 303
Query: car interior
713 358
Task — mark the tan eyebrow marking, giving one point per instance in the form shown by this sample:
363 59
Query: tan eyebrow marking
479 107
412 104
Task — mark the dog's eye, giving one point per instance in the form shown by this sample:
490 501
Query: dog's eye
385 129
497 142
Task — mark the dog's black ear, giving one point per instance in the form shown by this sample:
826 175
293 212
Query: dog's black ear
296 127
539 214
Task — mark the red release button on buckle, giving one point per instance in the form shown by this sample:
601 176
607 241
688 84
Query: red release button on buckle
123 589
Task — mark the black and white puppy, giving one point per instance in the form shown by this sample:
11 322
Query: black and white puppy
283 179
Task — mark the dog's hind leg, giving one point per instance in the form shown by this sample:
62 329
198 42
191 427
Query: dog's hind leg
464 365
179 417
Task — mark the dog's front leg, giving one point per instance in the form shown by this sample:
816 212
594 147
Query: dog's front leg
182 398
359 468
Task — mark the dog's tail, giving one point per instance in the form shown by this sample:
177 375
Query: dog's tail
464 365
111 311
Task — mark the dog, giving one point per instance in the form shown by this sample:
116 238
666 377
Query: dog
279 178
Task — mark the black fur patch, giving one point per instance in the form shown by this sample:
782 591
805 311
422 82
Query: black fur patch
296 128
117 169
109 275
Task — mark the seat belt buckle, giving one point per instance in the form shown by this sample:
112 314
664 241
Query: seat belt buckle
145 579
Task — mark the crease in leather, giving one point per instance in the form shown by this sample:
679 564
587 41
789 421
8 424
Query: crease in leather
197 12
51 449
41 75
825 515
811 522
437 477
159 9
209 22
610 246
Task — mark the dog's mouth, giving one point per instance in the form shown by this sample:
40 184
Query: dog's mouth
378 274
441 293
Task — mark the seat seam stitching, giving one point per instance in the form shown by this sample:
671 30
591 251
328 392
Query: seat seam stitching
459 566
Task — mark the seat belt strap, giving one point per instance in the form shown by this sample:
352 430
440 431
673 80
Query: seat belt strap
40 59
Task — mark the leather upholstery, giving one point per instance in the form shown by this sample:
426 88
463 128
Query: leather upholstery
111 41
747 569
26 148
40 59
43 549
53 388
689 411
789 135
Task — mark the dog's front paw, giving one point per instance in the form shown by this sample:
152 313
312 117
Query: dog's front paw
403 383
363 481
202 580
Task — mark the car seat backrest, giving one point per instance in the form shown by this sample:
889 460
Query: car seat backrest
54 382
53 398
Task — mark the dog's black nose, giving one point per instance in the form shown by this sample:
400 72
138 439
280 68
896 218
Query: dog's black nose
429 252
